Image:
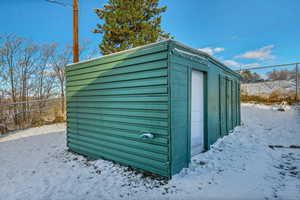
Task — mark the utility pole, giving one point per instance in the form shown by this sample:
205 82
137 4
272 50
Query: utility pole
75 26
75 32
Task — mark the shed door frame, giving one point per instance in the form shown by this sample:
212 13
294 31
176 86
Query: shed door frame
222 105
197 112
202 69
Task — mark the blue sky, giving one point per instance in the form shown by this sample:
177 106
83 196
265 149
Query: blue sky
235 31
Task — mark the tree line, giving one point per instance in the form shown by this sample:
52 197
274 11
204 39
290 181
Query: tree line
32 71
274 75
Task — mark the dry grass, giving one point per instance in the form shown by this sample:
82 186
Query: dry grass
276 97
49 113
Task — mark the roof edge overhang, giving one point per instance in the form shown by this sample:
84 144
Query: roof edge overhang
191 49
207 56
120 52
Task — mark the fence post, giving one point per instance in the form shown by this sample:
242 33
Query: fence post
297 82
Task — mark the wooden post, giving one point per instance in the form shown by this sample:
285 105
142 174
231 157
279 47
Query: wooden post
75 32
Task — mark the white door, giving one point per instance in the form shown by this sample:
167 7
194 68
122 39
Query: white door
197 125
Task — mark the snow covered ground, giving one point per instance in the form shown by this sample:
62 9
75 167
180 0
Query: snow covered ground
267 87
35 164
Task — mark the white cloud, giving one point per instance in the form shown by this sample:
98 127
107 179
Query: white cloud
235 64
232 63
264 53
249 65
218 49
211 50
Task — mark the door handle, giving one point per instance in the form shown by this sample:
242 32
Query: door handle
146 136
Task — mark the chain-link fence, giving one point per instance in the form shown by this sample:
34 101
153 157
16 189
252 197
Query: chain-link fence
32 113
270 84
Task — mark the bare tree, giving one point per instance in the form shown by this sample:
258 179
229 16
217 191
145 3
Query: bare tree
9 52
62 58
26 68
30 74
44 75
59 62
278 75
86 51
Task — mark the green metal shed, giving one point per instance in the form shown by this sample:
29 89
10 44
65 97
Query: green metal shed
151 107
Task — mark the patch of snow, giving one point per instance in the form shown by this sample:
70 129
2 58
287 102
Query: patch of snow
267 87
32 132
188 53
35 164
274 107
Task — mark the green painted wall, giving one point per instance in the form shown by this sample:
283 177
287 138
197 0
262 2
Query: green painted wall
221 109
114 99
179 115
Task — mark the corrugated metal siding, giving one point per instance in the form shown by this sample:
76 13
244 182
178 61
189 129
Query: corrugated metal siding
112 100
238 103
179 116
221 102
222 105
229 104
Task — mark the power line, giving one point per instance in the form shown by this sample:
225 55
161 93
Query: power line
59 3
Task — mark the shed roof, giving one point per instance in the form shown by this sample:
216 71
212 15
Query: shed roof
191 49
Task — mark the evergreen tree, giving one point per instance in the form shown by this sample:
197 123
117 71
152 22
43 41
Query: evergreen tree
129 23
